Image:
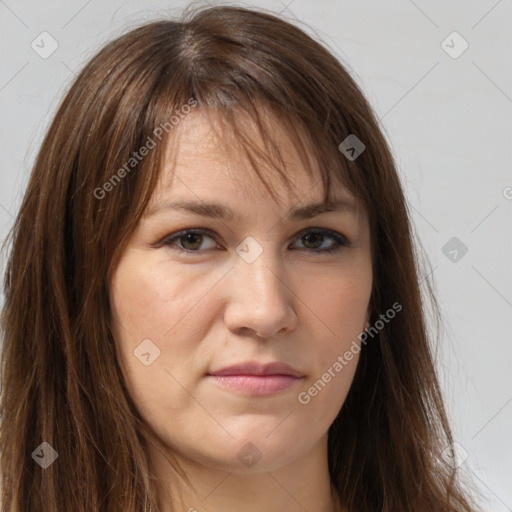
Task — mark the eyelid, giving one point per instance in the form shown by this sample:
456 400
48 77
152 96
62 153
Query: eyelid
317 229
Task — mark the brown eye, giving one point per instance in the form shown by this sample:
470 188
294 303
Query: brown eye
191 241
315 238
188 241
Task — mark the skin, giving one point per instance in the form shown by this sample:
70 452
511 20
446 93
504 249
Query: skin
211 309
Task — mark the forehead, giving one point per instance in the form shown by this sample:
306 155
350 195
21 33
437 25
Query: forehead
204 156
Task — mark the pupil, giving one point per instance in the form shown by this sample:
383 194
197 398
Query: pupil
308 238
190 238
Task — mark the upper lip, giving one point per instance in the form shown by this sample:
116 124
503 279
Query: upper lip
255 368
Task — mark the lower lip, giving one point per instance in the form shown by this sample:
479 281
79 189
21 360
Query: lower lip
258 385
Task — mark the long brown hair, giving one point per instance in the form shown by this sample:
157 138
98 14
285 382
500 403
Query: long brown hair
61 382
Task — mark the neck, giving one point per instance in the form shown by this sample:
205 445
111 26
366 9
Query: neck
301 485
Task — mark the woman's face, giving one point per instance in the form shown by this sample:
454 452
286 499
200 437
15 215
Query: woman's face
252 290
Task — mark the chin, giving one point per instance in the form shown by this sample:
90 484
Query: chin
254 453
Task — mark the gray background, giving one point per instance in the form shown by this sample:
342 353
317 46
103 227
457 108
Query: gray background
449 124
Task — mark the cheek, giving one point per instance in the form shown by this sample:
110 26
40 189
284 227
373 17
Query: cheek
150 298
138 303
138 298
152 302
340 300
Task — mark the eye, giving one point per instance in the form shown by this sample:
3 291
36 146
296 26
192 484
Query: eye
315 235
190 241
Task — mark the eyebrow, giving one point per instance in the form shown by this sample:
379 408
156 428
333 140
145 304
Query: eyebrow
220 211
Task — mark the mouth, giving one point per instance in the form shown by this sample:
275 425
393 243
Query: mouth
256 379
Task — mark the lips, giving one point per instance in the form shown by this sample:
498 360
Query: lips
254 368
256 379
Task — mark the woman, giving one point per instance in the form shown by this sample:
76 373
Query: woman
211 296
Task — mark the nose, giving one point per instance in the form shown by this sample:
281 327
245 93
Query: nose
259 301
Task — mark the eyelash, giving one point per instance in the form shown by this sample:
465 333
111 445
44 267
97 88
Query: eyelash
339 239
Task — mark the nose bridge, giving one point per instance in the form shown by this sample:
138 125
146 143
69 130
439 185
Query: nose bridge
259 268
262 300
